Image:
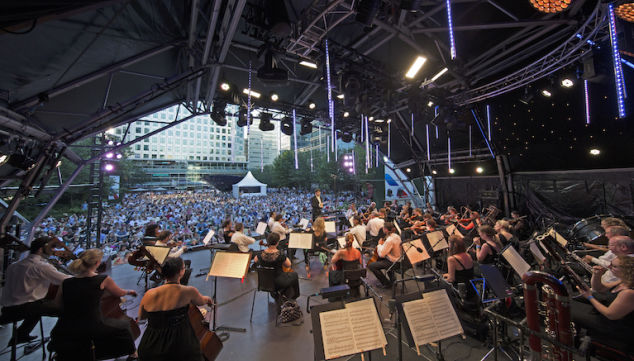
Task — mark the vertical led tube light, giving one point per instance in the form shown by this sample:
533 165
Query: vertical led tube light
587 100
449 151
412 124
489 120
295 138
362 127
470 145
618 70
354 163
328 148
249 102
389 137
261 152
376 155
331 104
367 146
450 25
428 149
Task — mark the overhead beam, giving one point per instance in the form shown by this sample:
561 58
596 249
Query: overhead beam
215 10
514 24
193 21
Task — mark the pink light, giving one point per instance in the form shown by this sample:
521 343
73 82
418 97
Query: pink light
109 155
108 167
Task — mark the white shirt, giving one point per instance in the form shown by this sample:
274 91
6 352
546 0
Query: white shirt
242 240
375 225
174 251
391 248
270 223
280 230
359 233
28 280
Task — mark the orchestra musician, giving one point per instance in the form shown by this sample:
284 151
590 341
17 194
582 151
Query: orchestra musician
503 228
358 230
451 216
227 231
81 321
352 211
316 204
459 264
319 241
271 220
151 232
344 259
177 249
169 334
488 245
605 259
286 283
518 225
368 212
374 227
241 240
609 315
27 283
281 230
389 252
617 246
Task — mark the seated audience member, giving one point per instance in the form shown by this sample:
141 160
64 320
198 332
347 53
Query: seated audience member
609 315
345 258
286 283
169 334
151 233
27 283
81 321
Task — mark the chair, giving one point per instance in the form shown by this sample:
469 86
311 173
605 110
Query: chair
14 321
266 283
352 277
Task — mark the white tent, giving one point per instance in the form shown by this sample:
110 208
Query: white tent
249 186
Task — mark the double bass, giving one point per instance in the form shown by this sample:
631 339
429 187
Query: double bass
210 343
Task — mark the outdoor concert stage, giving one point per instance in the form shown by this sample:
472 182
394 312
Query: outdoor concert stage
263 340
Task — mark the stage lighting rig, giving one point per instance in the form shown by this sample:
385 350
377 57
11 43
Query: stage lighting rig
265 122
218 114
306 127
242 118
287 126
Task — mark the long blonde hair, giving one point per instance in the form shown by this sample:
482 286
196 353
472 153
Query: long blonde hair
319 226
86 261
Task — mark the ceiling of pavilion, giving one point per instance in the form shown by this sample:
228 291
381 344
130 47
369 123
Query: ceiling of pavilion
72 69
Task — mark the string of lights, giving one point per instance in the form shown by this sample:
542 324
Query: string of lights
618 69
451 36
331 104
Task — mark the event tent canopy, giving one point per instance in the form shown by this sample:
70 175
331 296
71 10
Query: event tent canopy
249 186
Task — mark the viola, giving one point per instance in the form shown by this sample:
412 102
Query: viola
210 343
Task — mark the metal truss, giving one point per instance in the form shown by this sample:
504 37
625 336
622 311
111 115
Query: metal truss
592 31
319 19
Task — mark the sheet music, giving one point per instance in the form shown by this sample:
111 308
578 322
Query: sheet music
300 240
537 252
398 229
412 253
432 318
330 227
366 326
230 264
342 243
207 238
159 253
261 228
452 229
558 237
437 240
335 333
304 223
516 261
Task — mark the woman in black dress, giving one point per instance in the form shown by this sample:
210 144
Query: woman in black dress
459 265
488 245
286 283
169 334
81 322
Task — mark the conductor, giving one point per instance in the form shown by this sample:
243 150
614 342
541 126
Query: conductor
316 204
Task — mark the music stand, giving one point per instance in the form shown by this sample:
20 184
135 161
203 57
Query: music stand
493 277
229 265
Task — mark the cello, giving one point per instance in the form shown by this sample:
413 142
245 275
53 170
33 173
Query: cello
210 343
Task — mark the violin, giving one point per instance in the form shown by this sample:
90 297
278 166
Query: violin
210 343
65 254
375 253
142 258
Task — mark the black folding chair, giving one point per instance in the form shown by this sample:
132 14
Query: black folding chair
266 283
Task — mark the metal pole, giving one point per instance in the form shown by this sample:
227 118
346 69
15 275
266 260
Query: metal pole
505 192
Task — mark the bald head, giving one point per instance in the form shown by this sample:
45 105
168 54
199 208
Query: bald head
621 245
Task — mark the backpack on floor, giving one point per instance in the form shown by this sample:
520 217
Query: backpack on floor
289 311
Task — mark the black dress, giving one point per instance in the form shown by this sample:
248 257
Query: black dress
286 283
81 323
492 256
169 336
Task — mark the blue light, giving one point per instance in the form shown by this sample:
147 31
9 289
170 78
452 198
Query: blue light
618 70
482 132
428 149
627 63
489 120
590 42
587 100
294 138
331 104
450 23
449 152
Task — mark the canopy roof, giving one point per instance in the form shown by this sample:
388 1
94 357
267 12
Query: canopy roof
249 181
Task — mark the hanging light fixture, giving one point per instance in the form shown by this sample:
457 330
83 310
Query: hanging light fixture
550 6
625 10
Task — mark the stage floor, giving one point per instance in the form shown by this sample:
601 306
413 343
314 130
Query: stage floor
263 340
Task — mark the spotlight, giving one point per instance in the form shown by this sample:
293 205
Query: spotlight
408 170
242 117
384 158
452 171
346 114
225 86
308 64
108 167
379 121
389 120
546 93
567 83
430 104
311 105
274 97
218 114
306 126
119 155
287 126
367 10
59 163
479 170
109 155
434 172
439 74
595 151
253 93
340 96
413 70
3 159
110 142
265 122
371 118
